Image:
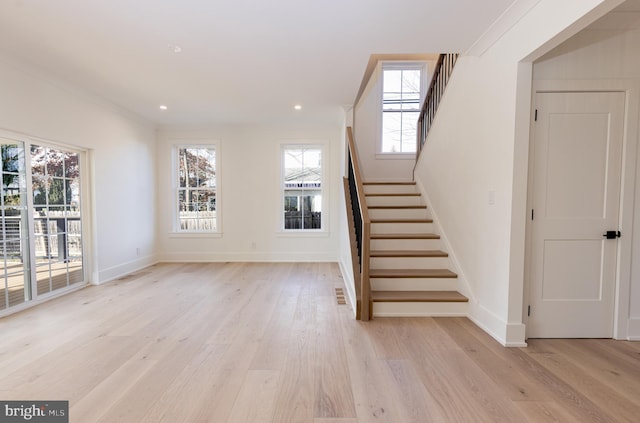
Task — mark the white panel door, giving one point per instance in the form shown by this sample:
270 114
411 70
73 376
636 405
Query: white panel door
576 198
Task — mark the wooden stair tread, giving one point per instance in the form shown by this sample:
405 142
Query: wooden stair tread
400 220
408 253
411 273
390 183
418 296
395 207
405 236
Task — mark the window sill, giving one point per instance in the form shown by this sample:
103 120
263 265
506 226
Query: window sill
195 234
395 156
300 233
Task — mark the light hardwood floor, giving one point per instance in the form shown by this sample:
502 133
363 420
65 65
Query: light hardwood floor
234 342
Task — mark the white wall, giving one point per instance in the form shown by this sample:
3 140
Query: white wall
609 59
367 133
249 186
122 150
478 144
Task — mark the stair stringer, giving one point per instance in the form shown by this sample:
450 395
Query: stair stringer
461 282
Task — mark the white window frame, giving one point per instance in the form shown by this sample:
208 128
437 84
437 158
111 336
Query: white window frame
177 231
398 65
324 151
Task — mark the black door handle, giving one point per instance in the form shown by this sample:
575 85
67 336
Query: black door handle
612 234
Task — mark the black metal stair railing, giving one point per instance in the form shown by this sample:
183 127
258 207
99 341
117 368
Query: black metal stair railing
441 75
359 230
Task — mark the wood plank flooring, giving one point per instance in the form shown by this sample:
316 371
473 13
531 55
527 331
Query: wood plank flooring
260 342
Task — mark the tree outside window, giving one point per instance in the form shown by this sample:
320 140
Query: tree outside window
197 189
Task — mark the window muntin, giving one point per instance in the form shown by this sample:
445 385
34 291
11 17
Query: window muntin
197 199
402 91
302 187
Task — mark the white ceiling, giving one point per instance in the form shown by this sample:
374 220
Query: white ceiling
241 60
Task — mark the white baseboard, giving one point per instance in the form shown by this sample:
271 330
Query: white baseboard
349 283
507 334
106 275
204 257
633 332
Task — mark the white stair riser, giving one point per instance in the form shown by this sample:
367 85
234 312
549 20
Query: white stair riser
389 189
413 284
419 309
395 201
409 263
405 244
399 214
401 228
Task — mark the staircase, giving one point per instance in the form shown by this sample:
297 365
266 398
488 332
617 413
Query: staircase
408 271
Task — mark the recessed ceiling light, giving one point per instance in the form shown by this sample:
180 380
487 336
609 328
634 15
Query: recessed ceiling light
163 107
297 107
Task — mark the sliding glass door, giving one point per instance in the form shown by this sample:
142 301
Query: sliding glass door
41 221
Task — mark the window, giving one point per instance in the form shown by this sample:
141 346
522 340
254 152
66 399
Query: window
197 194
402 92
302 187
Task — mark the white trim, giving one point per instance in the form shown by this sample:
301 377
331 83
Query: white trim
349 284
511 16
507 334
92 231
517 295
212 257
186 234
302 233
120 270
633 332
